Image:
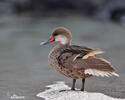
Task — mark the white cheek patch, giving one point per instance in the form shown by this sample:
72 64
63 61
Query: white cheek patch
95 72
62 39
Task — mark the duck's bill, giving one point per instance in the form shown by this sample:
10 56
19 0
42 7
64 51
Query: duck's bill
51 39
44 43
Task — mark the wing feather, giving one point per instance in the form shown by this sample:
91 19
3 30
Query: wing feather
95 66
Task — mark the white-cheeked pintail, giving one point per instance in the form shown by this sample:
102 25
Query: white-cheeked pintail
76 61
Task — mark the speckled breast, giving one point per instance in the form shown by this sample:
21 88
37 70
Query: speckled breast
53 59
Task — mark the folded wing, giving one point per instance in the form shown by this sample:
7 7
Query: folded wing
81 57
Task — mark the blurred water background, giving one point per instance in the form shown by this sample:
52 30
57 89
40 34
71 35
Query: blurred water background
24 67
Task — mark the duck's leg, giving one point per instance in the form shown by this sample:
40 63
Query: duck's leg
83 82
73 85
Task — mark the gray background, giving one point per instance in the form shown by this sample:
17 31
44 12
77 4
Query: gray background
24 67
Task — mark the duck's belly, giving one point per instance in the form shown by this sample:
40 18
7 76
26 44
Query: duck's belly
75 74
71 73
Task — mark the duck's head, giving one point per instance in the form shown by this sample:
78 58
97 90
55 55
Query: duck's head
61 35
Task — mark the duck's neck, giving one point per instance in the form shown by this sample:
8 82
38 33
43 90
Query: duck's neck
58 46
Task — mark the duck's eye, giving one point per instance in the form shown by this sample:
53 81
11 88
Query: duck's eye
55 34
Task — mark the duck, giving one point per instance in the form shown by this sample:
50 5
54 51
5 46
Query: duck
76 62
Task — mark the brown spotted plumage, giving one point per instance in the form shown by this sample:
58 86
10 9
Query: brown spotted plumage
76 61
